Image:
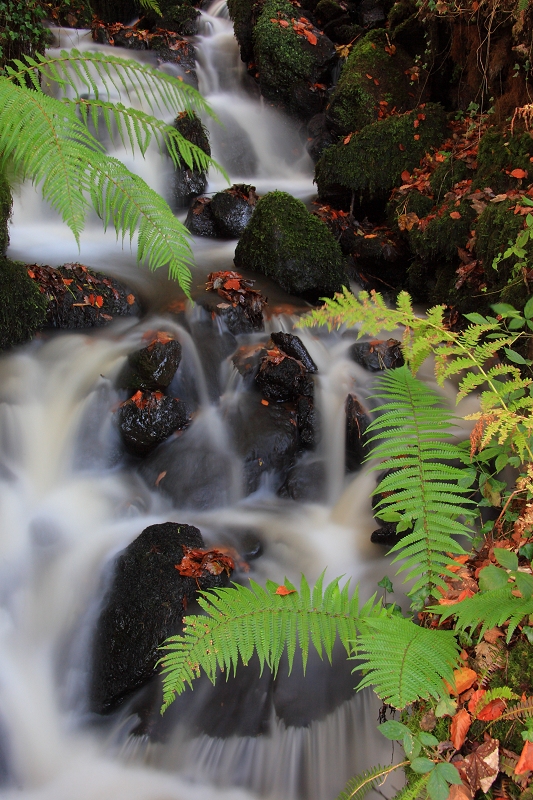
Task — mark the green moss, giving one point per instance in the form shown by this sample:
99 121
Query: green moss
291 246
355 101
6 202
496 228
177 15
328 10
498 153
411 203
22 305
279 54
373 160
444 234
447 175
401 11
242 14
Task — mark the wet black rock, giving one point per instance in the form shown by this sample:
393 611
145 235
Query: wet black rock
200 220
247 360
282 380
305 481
294 347
226 214
147 419
357 421
386 534
144 605
307 422
152 367
266 438
378 354
371 13
319 136
189 183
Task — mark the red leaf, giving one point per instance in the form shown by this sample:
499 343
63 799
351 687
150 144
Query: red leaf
474 700
416 123
311 38
459 728
519 173
284 23
492 710
99 301
130 299
347 138
402 147
405 176
370 77
236 285
31 273
416 136
282 590
525 762
455 215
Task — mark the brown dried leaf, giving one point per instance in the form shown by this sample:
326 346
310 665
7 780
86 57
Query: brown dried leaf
459 728
481 766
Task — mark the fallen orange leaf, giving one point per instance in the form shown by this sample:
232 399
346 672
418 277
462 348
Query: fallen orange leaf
282 590
492 710
459 728
464 678
519 173
525 762
455 215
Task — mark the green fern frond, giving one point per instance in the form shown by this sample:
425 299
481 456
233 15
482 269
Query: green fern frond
414 790
488 609
151 5
358 787
241 621
419 490
111 78
404 662
498 693
46 142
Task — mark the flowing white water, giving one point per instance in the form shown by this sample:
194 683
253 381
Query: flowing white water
69 503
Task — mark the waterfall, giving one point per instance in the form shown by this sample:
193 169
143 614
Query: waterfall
69 502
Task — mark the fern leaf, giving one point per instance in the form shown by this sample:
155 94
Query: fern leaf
404 662
520 710
241 621
419 489
358 787
490 609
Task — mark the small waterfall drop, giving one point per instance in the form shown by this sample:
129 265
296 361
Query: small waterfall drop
69 502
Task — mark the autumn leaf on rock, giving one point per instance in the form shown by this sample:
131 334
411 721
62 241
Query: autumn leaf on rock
459 728
311 38
455 215
196 562
518 173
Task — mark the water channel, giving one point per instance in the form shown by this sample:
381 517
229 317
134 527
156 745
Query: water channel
70 501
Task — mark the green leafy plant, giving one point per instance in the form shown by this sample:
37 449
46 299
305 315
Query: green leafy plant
45 140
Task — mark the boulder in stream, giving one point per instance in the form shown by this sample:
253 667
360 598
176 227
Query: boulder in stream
226 214
190 182
357 421
154 580
292 247
153 367
377 354
147 419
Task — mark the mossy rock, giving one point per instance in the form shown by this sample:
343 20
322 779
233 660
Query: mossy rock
355 101
328 10
179 16
288 65
497 227
243 14
498 153
292 247
447 174
371 164
443 235
414 202
6 203
22 305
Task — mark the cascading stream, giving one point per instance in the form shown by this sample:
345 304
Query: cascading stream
70 501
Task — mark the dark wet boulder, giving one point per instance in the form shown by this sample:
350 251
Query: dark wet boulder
378 354
200 220
357 422
152 367
147 419
144 605
386 534
78 297
282 378
293 346
292 247
305 481
190 182
226 214
293 59
319 136
370 163
233 209
308 423
266 438
247 361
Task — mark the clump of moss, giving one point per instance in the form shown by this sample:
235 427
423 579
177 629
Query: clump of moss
279 52
444 234
447 174
373 160
500 154
179 16
371 74
22 305
291 246
6 202
243 14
